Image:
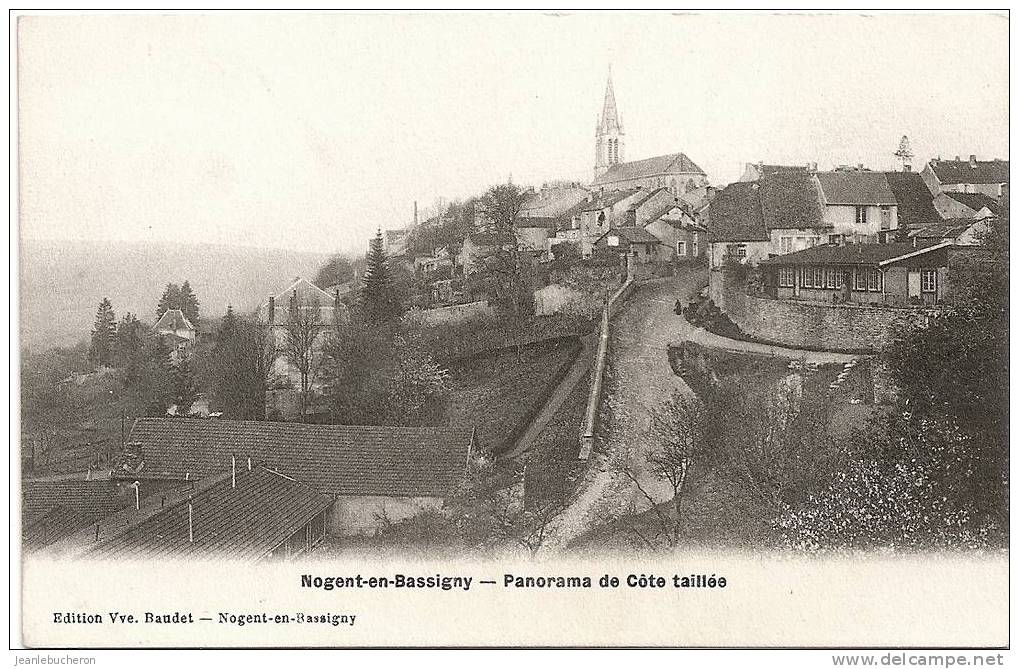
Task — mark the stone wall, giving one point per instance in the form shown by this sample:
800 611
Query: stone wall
811 326
457 313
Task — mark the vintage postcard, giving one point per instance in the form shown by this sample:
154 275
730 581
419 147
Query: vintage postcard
513 329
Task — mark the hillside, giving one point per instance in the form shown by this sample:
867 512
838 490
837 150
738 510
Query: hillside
62 282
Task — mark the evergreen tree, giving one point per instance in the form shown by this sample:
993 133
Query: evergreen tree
185 389
129 345
189 303
169 300
380 302
101 351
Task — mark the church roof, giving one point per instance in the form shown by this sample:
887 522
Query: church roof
673 163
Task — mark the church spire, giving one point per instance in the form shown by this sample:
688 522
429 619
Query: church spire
609 137
609 113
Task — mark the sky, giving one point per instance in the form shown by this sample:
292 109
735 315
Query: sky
309 131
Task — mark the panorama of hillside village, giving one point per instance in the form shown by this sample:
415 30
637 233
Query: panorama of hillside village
811 358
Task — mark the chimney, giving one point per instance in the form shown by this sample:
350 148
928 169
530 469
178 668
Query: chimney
813 167
272 308
137 496
233 471
957 159
973 160
249 463
191 523
907 168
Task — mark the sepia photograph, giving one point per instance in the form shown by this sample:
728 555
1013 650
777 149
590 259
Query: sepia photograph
511 329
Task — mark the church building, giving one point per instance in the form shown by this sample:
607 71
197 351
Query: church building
673 171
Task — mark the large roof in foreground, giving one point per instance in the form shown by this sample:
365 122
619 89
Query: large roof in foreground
242 521
336 459
748 210
673 163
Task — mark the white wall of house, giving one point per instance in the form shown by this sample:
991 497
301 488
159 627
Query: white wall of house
843 219
363 515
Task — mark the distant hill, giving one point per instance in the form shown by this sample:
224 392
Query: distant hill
62 282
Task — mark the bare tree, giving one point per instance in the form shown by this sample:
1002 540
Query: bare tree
673 442
301 345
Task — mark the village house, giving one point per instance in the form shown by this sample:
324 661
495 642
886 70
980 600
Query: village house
988 177
632 241
298 319
914 203
965 205
859 206
177 333
478 246
670 220
605 210
545 213
376 473
892 274
759 170
959 231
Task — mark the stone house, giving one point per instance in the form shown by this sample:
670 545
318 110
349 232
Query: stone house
859 206
301 313
375 474
632 241
988 177
605 210
177 333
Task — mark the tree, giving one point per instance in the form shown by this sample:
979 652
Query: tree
104 332
130 343
189 303
169 300
338 269
244 356
185 389
566 253
300 344
501 206
904 152
379 300
674 442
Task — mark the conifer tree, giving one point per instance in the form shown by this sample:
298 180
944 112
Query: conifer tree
169 300
189 303
101 351
380 302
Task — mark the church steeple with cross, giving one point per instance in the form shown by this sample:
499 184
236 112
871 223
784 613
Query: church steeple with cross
610 139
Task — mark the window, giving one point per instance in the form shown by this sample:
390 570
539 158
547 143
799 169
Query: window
834 278
836 239
741 252
785 277
861 216
785 245
929 280
696 246
681 248
875 280
812 241
861 279
813 277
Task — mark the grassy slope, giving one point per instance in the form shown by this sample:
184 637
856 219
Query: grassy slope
498 393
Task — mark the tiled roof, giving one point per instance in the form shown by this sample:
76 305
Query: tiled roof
976 201
91 499
849 254
673 163
242 522
553 202
950 228
604 200
963 172
337 459
789 200
855 188
914 199
748 210
736 214
173 320
632 234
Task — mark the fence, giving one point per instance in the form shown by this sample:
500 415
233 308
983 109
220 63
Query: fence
597 377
